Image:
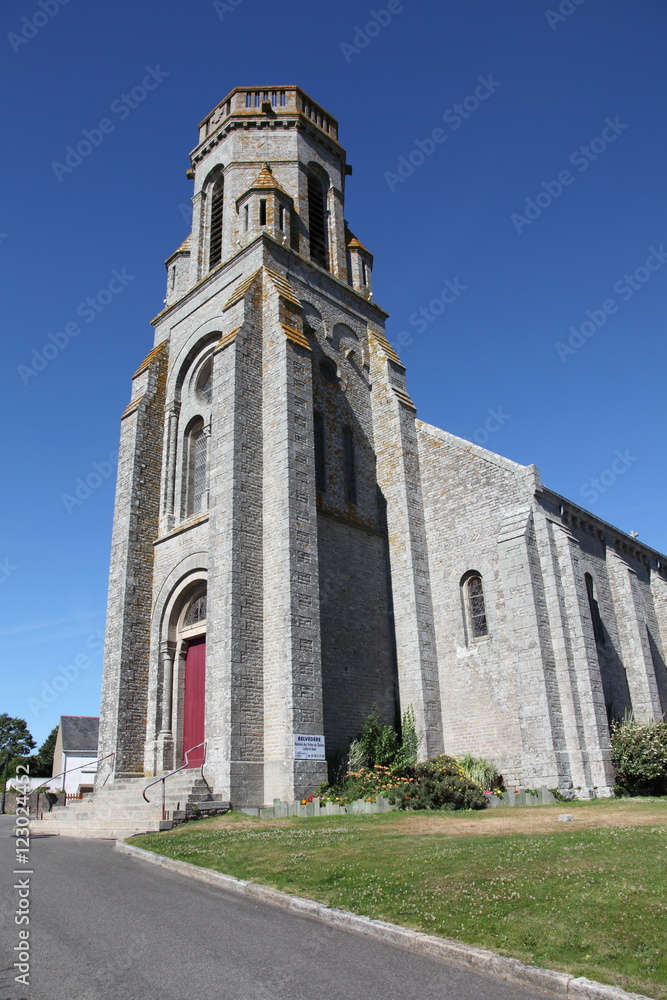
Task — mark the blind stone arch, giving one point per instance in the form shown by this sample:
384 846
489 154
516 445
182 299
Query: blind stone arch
312 320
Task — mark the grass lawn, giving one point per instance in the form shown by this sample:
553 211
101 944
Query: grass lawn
587 897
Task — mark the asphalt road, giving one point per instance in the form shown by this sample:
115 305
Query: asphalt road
104 926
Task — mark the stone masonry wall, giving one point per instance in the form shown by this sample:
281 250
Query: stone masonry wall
292 652
235 703
358 645
399 479
657 628
127 645
467 497
358 656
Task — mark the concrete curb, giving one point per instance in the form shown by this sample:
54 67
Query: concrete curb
559 984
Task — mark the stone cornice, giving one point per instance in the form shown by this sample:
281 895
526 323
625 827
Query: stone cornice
212 275
186 526
290 120
578 517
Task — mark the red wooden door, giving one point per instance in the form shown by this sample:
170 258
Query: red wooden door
193 708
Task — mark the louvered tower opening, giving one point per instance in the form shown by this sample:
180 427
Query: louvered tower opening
317 220
215 246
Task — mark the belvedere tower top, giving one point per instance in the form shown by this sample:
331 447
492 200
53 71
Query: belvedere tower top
262 107
268 163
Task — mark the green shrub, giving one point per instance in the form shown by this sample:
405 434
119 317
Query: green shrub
377 762
441 766
639 755
408 751
439 783
377 744
384 762
480 770
380 744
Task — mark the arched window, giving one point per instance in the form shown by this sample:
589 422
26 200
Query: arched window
215 243
317 220
349 470
196 612
594 607
204 386
196 459
474 597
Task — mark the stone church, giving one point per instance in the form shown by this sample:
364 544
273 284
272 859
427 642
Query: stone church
292 546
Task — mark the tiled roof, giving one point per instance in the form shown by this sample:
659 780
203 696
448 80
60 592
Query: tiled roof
265 179
80 732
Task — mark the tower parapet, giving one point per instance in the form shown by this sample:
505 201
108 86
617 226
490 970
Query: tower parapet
248 107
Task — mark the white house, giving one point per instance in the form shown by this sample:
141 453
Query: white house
76 753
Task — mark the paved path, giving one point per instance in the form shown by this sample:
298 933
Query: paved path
105 926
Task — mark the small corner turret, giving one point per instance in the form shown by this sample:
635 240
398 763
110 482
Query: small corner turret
265 207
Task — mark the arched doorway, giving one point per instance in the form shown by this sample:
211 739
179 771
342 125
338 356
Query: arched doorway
192 635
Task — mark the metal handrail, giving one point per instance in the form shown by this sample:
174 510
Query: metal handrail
164 777
68 770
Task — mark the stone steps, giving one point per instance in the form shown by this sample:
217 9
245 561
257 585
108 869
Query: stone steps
112 829
127 795
92 814
135 809
119 809
113 832
103 823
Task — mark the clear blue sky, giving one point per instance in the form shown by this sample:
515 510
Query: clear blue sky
552 84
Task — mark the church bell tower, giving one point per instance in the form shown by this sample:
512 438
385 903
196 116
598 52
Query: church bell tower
268 579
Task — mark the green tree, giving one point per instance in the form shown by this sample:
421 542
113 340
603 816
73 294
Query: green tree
15 738
41 763
15 744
